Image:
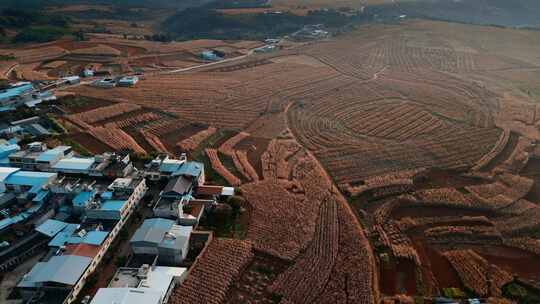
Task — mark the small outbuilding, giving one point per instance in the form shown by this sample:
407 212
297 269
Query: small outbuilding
74 165
162 237
128 81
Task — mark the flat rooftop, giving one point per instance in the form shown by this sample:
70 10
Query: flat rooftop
157 278
125 277
74 163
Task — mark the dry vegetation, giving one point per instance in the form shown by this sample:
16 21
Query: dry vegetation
477 274
214 272
191 143
105 52
370 113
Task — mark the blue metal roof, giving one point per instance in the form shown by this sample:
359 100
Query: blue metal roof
51 227
49 155
113 205
35 189
41 195
90 238
152 230
74 239
64 269
67 236
7 149
37 130
169 167
9 221
95 237
107 195
83 198
190 169
29 178
5 172
74 163
63 236
158 223
16 91
21 216
35 207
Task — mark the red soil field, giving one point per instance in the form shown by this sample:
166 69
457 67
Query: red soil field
90 143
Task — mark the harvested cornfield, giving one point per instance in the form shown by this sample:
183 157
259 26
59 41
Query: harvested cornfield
213 272
477 274
431 134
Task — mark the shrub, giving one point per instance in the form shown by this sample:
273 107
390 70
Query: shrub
39 34
514 291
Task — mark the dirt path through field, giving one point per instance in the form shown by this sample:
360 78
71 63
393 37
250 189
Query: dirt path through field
204 65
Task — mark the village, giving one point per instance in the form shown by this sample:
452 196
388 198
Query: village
265 152
98 228
67 221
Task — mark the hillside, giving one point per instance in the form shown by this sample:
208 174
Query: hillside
518 13
183 4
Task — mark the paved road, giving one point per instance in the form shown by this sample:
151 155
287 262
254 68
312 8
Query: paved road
13 277
207 64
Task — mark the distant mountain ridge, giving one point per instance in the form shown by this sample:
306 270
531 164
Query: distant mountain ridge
177 4
495 12
514 13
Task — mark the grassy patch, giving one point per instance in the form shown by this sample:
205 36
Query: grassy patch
74 145
7 57
521 293
453 293
75 101
56 126
531 92
230 219
40 34
225 223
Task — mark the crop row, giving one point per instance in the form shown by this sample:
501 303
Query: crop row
213 273
312 270
191 143
242 164
220 168
399 243
154 141
116 138
103 113
477 274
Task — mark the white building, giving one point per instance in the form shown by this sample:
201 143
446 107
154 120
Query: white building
128 81
162 237
72 80
74 165
148 284
104 83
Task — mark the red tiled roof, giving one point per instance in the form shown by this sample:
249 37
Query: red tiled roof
82 250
